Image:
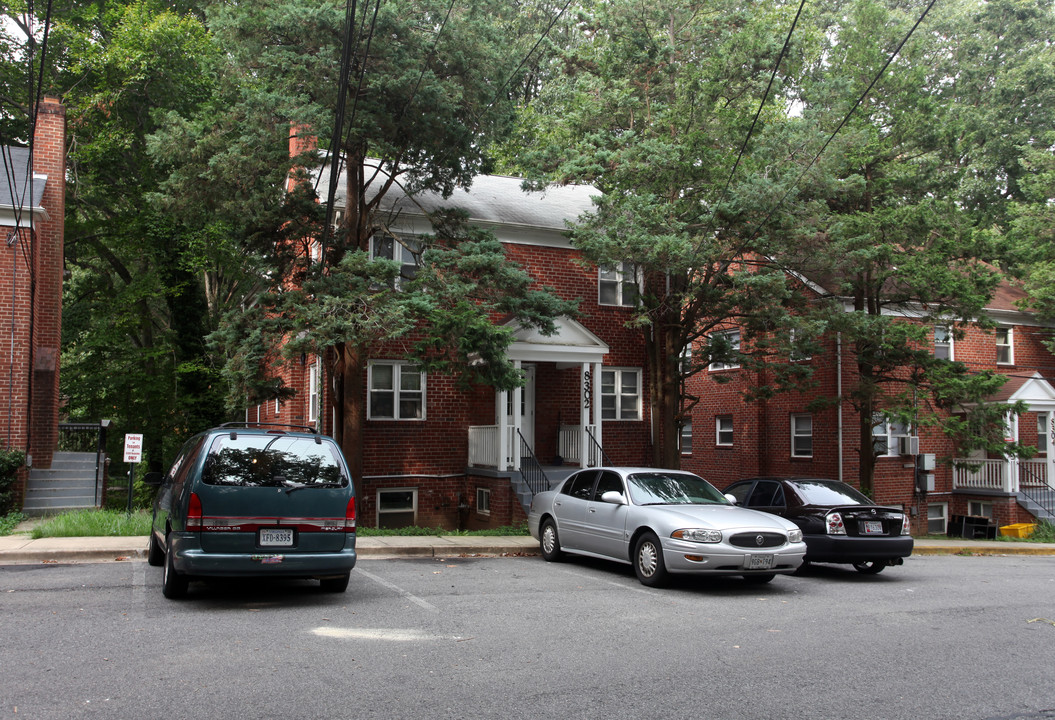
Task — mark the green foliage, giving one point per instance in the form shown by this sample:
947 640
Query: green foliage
10 521
94 523
10 462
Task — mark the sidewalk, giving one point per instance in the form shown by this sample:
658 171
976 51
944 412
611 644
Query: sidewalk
20 549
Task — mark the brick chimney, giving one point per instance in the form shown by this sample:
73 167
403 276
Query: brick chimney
49 159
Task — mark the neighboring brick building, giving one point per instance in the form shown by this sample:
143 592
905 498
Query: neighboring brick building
734 439
437 454
32 207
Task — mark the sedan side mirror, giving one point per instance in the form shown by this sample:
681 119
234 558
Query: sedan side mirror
614 497
732 498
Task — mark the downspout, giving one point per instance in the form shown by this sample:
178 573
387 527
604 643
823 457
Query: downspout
839 398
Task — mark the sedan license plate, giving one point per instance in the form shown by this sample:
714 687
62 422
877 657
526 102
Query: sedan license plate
872 527
276 537
759 562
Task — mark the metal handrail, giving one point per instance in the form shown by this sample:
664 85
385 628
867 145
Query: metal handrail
597 448
531 468
1043 496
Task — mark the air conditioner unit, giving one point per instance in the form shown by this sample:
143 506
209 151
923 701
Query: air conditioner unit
908 445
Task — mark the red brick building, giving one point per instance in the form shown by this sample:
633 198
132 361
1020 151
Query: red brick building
733 439
32 207
437 454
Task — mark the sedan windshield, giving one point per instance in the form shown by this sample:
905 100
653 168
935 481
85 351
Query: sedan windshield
828 492
664 488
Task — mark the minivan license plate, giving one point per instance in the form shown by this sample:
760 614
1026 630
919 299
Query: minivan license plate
873 527
276 537
759 562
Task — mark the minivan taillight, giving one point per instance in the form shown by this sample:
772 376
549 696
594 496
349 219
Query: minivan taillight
194 513
349 516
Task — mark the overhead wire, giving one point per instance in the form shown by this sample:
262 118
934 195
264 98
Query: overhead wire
846 118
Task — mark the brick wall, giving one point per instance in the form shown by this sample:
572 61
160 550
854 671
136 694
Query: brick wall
31 274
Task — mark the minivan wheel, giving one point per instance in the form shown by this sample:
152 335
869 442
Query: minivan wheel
334 584
155 555
173 584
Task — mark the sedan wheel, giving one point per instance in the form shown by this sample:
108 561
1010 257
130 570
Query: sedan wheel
870 567
648 561
549 543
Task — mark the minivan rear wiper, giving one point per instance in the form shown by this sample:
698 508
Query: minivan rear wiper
313 485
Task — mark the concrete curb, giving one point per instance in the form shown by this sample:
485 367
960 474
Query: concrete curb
21 549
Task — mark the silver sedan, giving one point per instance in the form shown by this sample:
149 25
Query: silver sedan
662 522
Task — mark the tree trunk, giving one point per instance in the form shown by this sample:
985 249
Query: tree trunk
352 412
665 389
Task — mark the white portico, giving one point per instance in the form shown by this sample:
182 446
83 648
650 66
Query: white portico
504 444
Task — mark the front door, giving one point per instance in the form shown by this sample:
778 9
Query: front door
527 408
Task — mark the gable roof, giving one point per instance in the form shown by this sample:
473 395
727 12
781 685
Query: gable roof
15 185
490 200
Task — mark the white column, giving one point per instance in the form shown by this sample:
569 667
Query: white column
596 405
503 430
585 398
1049 475
518 420
1011 468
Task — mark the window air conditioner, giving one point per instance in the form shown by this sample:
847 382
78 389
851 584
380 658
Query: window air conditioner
908 445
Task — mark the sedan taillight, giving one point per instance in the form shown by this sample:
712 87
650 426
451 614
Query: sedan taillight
833 524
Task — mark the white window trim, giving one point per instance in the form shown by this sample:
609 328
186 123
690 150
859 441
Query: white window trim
618 395
624 277
405 248
686 429
397 375
984 505
944 516
1010 346
718 431
1043 432
413 501
794 417
892 435
483 500
313 392
949 342
716 366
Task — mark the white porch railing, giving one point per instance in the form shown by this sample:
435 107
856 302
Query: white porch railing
999 475
570 445
484 452
484 446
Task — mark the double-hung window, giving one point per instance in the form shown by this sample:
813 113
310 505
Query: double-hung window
1005 346
406 252
887 436
943 343
313 392
686 438
723 430
725 347
618 285
397 391
621 394
801 435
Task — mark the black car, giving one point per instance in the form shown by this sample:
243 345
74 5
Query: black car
839 523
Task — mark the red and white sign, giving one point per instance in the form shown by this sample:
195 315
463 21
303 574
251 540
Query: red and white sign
133 447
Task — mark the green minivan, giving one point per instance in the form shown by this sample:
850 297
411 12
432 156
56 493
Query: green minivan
251 499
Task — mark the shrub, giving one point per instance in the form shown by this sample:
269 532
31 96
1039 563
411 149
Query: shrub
10 462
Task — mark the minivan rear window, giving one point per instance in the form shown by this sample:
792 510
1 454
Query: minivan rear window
273 461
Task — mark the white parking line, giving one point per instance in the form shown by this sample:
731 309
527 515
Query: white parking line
395 588
379 634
